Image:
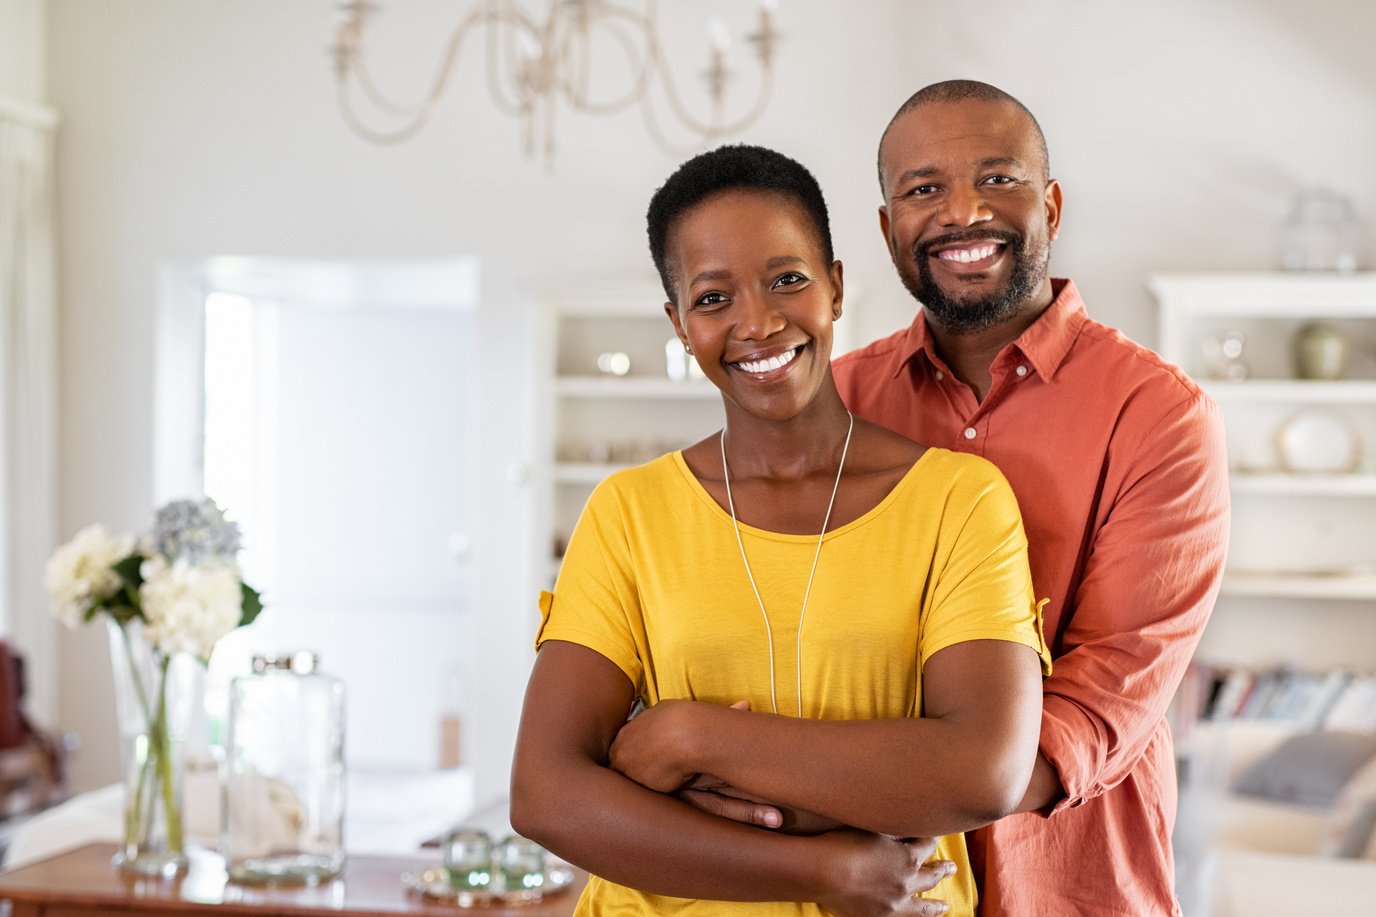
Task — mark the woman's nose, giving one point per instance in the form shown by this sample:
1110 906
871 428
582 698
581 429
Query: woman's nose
756 318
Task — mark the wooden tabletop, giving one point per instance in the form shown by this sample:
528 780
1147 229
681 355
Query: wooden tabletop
84 882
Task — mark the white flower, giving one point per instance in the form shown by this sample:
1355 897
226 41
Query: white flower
79 573
188 607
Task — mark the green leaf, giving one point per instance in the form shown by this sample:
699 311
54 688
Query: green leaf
252 605
128 570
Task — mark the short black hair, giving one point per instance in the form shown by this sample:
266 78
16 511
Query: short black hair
960 91
734 166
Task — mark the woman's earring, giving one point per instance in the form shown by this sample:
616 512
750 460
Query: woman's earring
688 350
835 314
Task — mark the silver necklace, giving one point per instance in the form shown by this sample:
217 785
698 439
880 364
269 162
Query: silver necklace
769 633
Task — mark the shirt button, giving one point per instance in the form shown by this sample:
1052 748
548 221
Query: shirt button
940 375
1021 370
970 433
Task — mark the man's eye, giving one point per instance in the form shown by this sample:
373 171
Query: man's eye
789 279
999 180
921 190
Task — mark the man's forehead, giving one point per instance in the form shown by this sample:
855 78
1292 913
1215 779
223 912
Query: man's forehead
978 130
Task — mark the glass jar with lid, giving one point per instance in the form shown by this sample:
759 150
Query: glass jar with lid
282 788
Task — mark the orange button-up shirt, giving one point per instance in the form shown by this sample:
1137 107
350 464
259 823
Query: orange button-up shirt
1118 462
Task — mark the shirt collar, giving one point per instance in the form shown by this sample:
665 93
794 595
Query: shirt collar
1045 342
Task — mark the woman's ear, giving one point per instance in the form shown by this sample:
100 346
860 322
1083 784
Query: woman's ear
836 274
671 310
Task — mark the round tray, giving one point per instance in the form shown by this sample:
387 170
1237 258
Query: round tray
433 885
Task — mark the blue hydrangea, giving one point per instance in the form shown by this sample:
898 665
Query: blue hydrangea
195 531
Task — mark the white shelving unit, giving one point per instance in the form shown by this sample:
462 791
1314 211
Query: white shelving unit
1302 558
598 422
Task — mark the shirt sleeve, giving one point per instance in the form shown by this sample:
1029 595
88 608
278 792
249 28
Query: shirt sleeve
983 588
595 600
1148 587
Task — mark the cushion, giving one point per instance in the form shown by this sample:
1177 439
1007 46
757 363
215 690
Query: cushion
1308 769
1351 831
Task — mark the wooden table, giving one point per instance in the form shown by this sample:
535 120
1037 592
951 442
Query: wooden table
83 882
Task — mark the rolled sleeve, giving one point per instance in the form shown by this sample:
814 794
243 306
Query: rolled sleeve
1149 585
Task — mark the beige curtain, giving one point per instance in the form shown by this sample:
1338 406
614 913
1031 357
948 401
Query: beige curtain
28 393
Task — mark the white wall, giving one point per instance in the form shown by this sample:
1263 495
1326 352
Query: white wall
192 128
23 74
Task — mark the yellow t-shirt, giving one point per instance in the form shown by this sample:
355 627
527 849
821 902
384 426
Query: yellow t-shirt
653 580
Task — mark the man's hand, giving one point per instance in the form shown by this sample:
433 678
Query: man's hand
651 748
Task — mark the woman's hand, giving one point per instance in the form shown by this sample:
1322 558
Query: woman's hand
716 797
883 875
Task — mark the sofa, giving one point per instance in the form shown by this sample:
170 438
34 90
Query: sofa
1255 836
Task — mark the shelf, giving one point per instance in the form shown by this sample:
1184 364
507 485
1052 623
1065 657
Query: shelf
1319 485
1284 295
584 472
1356 586
632 387
1293 391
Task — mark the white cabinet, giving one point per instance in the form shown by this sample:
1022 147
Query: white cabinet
1302 451
611 397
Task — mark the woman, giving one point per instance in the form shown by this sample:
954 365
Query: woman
814 610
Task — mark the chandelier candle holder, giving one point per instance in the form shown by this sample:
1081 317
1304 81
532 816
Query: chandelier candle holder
533 64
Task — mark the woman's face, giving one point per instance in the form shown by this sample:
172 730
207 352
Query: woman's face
756 299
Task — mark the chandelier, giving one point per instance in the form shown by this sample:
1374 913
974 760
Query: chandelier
533 64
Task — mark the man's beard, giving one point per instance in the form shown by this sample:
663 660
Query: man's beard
967 314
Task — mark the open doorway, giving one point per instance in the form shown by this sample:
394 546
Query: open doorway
331 408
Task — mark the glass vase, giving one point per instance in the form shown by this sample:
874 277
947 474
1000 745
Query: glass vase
156 695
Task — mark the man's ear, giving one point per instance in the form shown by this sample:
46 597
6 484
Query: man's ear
1052 202
884 228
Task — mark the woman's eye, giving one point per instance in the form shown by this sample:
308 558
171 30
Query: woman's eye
709 299
789 279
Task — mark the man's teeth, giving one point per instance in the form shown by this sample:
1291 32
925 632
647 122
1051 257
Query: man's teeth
967 255
769 364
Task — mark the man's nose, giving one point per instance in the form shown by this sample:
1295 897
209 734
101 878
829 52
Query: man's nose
964 206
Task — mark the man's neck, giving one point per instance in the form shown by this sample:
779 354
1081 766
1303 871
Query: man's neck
970 354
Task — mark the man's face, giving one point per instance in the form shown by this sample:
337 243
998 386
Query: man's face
969 214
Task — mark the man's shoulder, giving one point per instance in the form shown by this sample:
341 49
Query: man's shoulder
867 366
1123 364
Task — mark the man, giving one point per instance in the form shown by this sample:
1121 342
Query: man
1117 460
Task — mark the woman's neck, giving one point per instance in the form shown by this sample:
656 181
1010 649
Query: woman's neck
800 447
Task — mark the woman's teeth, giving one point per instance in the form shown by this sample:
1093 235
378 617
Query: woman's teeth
770 363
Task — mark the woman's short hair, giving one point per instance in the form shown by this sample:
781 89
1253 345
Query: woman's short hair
732 167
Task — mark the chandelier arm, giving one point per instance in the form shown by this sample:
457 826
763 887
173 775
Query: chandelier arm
499 51
419 114
643 64
662 140
709 130
381 100
355 124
